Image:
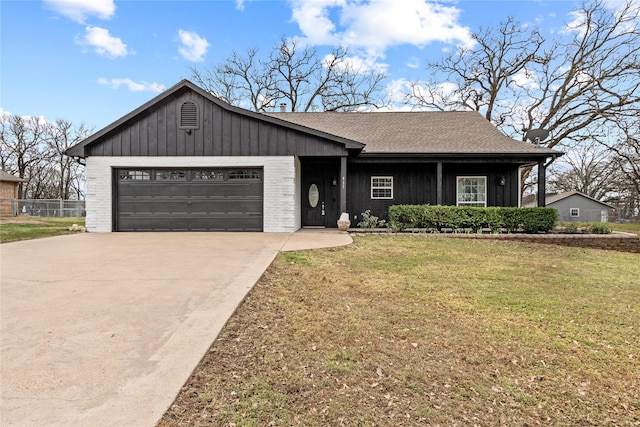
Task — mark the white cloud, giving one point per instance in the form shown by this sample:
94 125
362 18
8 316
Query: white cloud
193 47
313 19
414 62
375 25
355 63
80 10
131 85
526 79
102 42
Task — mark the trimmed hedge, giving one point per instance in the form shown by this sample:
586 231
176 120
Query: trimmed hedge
437 218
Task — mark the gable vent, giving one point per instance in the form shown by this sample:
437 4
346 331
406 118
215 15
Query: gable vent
189 115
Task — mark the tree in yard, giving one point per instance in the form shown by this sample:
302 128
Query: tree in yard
589 170
623 142
571 86
62 135
294 75
23 147
33 149
481 78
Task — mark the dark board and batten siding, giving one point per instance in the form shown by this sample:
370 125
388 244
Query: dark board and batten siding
157 132
412 184
415 183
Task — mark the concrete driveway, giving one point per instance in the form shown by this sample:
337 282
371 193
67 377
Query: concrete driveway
104 329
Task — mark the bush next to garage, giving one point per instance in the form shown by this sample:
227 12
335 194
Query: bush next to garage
495 219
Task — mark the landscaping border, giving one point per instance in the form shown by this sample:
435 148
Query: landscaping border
616 241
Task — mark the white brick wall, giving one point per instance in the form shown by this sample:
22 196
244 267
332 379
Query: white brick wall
282 177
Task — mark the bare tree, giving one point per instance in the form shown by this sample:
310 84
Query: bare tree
627 150
22 139
589 170
570 86
33 149
520 81
590 79
239 79
481 78
295 75
62 135
623 142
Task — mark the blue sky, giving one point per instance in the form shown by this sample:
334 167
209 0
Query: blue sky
93 61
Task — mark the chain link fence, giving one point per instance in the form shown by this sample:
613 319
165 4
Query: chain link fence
43 207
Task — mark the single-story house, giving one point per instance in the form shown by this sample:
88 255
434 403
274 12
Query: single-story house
574 206
8 192
188 161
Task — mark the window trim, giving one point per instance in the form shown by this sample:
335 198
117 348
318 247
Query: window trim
378 187
577 212
484 201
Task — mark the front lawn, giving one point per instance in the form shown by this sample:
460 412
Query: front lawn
421 331
13 229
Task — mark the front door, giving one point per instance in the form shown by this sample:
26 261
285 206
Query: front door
314 203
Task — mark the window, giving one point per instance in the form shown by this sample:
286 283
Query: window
472 191
171 175
244 175
189 115
207 175
382 187
574 212
135 175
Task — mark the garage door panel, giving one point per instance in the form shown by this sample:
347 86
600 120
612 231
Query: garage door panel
189 200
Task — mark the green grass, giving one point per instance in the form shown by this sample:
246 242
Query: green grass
428 331
25 228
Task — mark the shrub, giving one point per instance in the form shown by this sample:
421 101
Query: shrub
371 221
599 229
528 220
571 229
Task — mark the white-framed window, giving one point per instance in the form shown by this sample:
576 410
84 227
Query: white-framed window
471 191
382 187
574 212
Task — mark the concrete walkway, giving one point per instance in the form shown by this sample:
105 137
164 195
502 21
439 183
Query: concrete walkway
104 329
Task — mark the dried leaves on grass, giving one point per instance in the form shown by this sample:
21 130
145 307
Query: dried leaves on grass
415 331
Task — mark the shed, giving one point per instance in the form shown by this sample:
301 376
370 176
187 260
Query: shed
9 185
574 206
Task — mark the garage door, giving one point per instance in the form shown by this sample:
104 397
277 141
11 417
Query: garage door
188 199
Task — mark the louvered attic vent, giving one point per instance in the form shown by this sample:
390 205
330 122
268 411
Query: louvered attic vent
189 115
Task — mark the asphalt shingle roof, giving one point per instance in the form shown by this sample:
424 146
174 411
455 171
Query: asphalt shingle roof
433 132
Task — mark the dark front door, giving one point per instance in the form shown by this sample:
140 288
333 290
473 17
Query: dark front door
314 203
320 192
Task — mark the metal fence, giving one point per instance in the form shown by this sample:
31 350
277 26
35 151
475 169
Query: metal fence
44 207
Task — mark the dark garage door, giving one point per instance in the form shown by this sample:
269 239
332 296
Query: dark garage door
188 199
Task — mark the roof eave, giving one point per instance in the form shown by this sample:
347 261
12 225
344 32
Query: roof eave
529 155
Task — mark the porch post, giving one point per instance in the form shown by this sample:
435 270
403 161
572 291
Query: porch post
439 183
343 184
542 192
